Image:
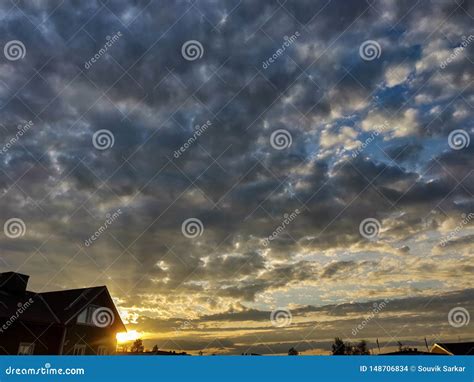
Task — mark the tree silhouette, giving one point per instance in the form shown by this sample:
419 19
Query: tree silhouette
155 349
360 348
338 347
293 351
347 348
137 346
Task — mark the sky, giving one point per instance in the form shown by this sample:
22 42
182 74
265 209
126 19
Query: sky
245 176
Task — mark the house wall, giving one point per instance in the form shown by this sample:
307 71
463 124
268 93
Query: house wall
91 336
47 338
44 336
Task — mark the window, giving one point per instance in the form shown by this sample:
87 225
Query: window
79 349
85 317
102 350
26 348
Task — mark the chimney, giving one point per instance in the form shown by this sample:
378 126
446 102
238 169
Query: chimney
14 283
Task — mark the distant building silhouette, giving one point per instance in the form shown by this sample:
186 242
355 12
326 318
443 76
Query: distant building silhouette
159 352
453 348
69 322
409 351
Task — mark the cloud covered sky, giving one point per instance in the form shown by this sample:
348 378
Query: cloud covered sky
278 135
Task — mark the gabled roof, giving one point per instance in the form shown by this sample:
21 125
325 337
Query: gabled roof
58 307
12 305
67 304
455 348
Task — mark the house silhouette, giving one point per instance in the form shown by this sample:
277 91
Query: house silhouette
68 322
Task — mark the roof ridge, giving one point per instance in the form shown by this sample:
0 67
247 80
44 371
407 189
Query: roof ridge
71 290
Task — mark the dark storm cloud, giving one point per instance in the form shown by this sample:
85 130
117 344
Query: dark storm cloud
230 178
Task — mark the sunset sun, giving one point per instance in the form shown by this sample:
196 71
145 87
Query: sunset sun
131 335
